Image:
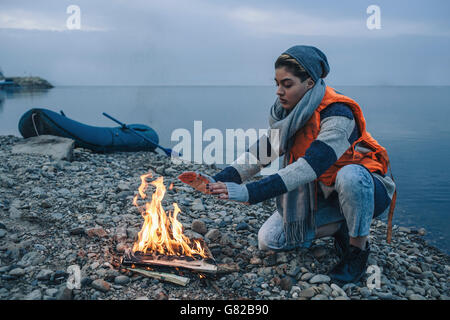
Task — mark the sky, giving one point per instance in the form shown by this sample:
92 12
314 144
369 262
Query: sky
211 42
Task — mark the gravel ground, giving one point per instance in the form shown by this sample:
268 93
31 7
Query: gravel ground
54 214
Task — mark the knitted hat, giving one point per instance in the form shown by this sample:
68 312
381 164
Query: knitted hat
312 59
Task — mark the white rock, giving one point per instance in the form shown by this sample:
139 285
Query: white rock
15 213
57 147
319 278
34 295
17 272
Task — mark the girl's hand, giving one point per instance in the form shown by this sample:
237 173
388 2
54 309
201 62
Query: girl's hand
221 189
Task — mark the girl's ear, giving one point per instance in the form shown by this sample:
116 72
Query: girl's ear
310 83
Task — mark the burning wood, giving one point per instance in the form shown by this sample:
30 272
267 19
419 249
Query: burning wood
161 242
140 259
182 281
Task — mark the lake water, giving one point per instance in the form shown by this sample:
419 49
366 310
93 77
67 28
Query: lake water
411 122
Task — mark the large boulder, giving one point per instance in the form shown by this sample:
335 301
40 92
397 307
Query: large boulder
57 147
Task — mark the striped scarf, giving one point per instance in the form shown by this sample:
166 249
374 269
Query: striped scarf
296 206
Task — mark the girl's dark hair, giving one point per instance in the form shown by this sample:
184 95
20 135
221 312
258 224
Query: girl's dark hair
292 66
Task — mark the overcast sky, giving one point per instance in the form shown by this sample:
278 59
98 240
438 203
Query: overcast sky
211 42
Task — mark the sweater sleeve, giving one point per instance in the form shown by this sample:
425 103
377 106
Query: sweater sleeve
249 163
337 131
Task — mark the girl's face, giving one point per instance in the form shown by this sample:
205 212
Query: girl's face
290 88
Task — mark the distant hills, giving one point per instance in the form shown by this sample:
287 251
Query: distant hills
23 82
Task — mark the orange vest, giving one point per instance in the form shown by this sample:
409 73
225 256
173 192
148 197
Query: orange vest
375 160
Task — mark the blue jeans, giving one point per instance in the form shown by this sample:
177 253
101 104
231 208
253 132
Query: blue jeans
358 198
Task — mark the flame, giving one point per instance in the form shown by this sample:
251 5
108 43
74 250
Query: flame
162 233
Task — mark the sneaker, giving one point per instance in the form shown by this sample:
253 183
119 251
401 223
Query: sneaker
351 267
341 240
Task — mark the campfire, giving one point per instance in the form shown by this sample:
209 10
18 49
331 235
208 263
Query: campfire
161 243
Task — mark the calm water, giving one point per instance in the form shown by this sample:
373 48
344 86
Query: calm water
411 122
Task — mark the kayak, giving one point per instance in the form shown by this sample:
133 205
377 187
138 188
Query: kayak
39 121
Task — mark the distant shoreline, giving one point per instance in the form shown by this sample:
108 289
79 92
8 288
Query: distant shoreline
27 83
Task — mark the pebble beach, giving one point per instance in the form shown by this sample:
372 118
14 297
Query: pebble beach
57 213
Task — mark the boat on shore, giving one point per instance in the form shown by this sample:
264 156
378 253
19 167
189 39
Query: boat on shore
39 121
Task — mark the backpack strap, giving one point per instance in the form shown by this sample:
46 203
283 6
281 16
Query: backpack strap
391 210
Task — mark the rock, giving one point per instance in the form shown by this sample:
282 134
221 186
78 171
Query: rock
100 208
383 295
319 278
286 283
255 261
319 252
96 232
365 292
15 213
17 272
64 293
199 226
416 296
213 235
40 247
170 172
320 297
51 292
422 232
57 147
335 294
121 247
59 276
433 292
192 234
242 226
236 284
306 276
309 292
123 186
270 260
77 231
44 274
404 229
31 83
34 295
101 285
419 290
121 280
142 298
132 233
197 205
161 295
414 269
2 233
56 216
338 289
120 233
342 298
46 204
294 271
6 182
31 259
227 267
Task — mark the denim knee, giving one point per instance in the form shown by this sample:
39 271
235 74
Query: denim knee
355 188
352 177
271 234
